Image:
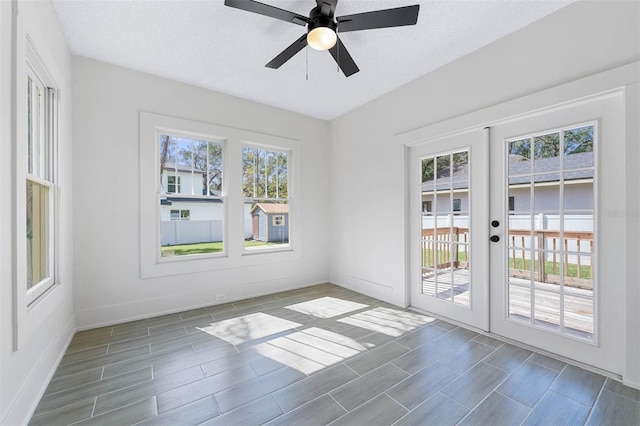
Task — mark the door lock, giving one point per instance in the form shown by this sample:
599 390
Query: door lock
495 238
495 223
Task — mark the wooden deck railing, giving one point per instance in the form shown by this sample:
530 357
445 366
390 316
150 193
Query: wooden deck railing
551 241
438 243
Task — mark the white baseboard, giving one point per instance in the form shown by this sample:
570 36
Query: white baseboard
28 396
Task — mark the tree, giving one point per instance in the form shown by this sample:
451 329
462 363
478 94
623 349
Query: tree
442 164
264 173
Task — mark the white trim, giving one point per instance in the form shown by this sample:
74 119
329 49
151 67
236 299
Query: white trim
150 265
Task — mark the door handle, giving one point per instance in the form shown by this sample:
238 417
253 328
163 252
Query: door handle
494 238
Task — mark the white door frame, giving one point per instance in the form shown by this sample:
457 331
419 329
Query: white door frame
625 79
476 314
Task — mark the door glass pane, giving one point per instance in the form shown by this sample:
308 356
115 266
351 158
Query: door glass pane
550 245
445 226
519 302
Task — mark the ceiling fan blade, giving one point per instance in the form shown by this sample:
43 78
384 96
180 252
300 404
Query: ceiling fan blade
396 17
288 53
267 10
343 59
327 7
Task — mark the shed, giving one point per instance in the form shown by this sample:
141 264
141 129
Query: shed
270 222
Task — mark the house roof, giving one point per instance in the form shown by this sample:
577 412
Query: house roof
271 208
181 168
576 166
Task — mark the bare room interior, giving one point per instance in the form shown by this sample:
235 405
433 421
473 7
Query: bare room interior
313 212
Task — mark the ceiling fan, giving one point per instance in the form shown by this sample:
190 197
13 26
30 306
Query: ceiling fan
323 26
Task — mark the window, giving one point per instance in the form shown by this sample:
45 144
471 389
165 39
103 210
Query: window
512 204
191 171
426 207
235 203
457 204
265 189
39 178
173 184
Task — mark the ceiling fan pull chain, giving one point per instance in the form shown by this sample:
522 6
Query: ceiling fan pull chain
306 51
338 53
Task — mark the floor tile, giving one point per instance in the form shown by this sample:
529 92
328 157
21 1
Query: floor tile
528 383
556 409
190 414
85 354
56 400
254 413
474 385
128 415
201 388
578 384
312 387
508 357
73 380
438 410
374 358
168 366
147 389
497 410
66 415
321 411
256 388
620 389
381 410
98 361
147 360
412 391
614 409
466 356
486 340
548 362
362 389
420 337
146 340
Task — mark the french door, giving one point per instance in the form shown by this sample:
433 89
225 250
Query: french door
449 215
510 230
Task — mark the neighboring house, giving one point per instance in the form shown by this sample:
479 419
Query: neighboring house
270 222
187 217
578 186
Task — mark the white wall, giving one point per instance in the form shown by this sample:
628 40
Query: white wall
24 373
107 103
368 174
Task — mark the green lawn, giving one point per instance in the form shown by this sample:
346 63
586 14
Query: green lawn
204 248
572 270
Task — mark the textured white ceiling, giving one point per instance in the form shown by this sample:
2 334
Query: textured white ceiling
207 44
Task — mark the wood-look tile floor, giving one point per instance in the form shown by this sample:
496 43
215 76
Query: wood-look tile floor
316 356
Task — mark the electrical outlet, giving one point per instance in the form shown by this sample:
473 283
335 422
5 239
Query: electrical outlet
220 297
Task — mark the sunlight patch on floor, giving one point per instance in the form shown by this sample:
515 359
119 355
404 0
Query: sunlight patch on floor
326 307
248 327
310 350
388 321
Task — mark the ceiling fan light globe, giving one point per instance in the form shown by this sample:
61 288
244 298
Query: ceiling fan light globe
322 38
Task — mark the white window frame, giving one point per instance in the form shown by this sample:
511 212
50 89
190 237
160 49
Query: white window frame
176 184
279 220
288 199
31 308
44 167
151 263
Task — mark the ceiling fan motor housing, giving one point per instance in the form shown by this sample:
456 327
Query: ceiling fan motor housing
317 19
